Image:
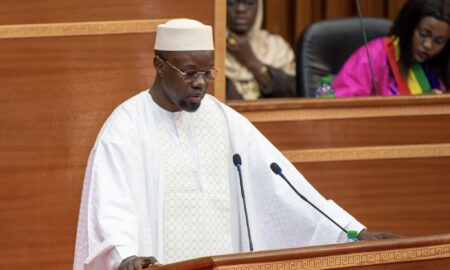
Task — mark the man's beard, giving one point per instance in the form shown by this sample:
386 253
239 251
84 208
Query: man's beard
188 106
183 104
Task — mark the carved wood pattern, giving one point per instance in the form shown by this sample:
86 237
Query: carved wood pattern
350 260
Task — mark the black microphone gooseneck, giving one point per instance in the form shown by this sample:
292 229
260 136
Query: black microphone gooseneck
277 170
363 30
237 162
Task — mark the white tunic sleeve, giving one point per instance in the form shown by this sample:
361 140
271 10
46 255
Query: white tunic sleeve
111 214
108 215
120 207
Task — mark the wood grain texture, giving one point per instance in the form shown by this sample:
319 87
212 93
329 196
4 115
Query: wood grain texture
79 29
278 18
319 134
356 122
431 252
220 33
386 102
405 196
339 8
358 260
369 153
393 7
371 8
56 94
56 11
306 13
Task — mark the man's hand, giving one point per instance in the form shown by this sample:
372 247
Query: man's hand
138 263
366 235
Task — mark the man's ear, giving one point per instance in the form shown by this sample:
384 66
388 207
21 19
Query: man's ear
158 64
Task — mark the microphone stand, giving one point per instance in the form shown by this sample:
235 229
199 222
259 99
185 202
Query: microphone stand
237 162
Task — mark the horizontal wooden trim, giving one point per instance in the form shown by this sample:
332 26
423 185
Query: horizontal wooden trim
351 260
270 104
79 28
345 113
369 153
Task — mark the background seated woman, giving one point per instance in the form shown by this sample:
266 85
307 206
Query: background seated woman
258 64
413 60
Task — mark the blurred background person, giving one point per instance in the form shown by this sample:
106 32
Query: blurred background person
412 60
258 64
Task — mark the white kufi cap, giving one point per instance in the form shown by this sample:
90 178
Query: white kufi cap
184 35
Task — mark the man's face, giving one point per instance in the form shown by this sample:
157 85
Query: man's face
241 15
430 37
181 92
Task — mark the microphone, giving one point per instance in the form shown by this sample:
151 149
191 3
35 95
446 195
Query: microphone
277 170
238 162
363 30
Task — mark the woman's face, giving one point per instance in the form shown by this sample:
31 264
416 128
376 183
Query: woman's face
241 15
430 37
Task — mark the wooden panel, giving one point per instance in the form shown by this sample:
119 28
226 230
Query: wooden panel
357 132
53 11
79 29
56 94
430 252
385 260
278 18
368 153
394 7
371 8
220 22
339 8
306 12
406 196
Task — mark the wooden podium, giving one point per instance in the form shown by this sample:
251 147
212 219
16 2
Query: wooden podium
428 252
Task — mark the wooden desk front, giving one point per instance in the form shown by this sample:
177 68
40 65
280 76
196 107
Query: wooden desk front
385 160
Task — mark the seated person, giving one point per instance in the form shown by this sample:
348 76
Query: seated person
413 60
258 64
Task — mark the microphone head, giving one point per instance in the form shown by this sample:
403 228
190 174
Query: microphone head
237 160
275 168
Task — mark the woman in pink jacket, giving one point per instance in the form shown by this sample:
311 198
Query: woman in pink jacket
413 60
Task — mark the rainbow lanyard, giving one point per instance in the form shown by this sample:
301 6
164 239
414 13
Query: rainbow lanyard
420 79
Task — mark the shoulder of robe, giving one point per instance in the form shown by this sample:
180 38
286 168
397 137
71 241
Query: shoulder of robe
123 122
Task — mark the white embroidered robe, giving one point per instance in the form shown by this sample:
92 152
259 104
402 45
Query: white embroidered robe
122 209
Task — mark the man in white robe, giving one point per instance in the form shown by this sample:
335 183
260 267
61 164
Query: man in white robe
160 183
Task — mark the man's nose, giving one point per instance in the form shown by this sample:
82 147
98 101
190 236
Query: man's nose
199 80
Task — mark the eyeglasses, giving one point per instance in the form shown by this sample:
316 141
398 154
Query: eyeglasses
247 2
192 75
